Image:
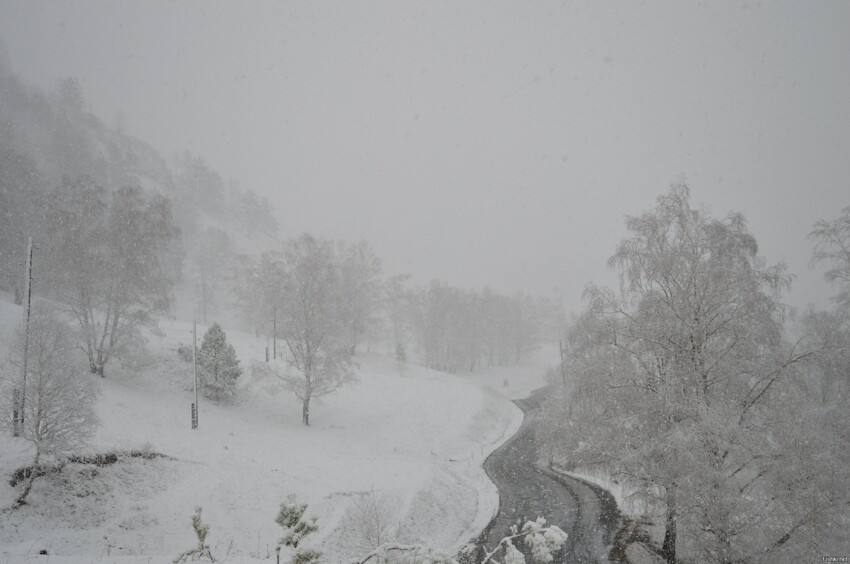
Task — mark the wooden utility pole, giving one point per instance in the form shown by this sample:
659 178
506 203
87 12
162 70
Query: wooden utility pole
18 426
563 348
274 331
268 335
195 372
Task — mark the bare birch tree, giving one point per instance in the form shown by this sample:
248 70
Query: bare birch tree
307 307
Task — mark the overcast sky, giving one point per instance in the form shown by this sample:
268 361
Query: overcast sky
495 143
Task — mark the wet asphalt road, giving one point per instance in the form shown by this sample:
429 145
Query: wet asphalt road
527 490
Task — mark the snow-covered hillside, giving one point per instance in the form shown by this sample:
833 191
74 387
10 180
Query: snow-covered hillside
417 440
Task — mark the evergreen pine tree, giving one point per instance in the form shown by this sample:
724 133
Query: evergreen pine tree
218 366
296 527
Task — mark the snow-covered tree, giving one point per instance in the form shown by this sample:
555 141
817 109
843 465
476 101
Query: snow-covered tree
831 330
458 329
679 379
210 261
296 528
257 282
22 202
307 307
113 259
359 292
397 307
59 402
255 214
199 184
832 246
217 364
828 373
373 521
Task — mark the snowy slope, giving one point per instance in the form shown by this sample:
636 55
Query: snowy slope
418 440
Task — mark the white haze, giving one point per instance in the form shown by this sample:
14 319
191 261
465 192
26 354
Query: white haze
482 143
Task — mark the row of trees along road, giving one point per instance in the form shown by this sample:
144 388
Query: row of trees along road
683 386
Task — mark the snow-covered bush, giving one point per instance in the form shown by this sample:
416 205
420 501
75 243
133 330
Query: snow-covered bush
373 521
201 531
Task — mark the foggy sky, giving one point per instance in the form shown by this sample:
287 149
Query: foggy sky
495 143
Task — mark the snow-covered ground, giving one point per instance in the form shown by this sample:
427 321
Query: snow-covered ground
417 440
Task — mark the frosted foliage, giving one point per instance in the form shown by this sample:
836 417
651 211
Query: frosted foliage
543 540
684 384
307 291
459 329
59 414
201 532
219 367
373 521
296 529
832 249
211 262
359 292
514 556
111 258
291 518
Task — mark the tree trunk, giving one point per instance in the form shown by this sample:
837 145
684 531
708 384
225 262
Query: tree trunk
668 547
97 367
305 411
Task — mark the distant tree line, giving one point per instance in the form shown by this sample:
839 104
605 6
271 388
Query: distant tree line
463 330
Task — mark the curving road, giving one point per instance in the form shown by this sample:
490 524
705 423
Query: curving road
527 490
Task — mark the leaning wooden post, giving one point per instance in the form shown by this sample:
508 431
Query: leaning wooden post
18 424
